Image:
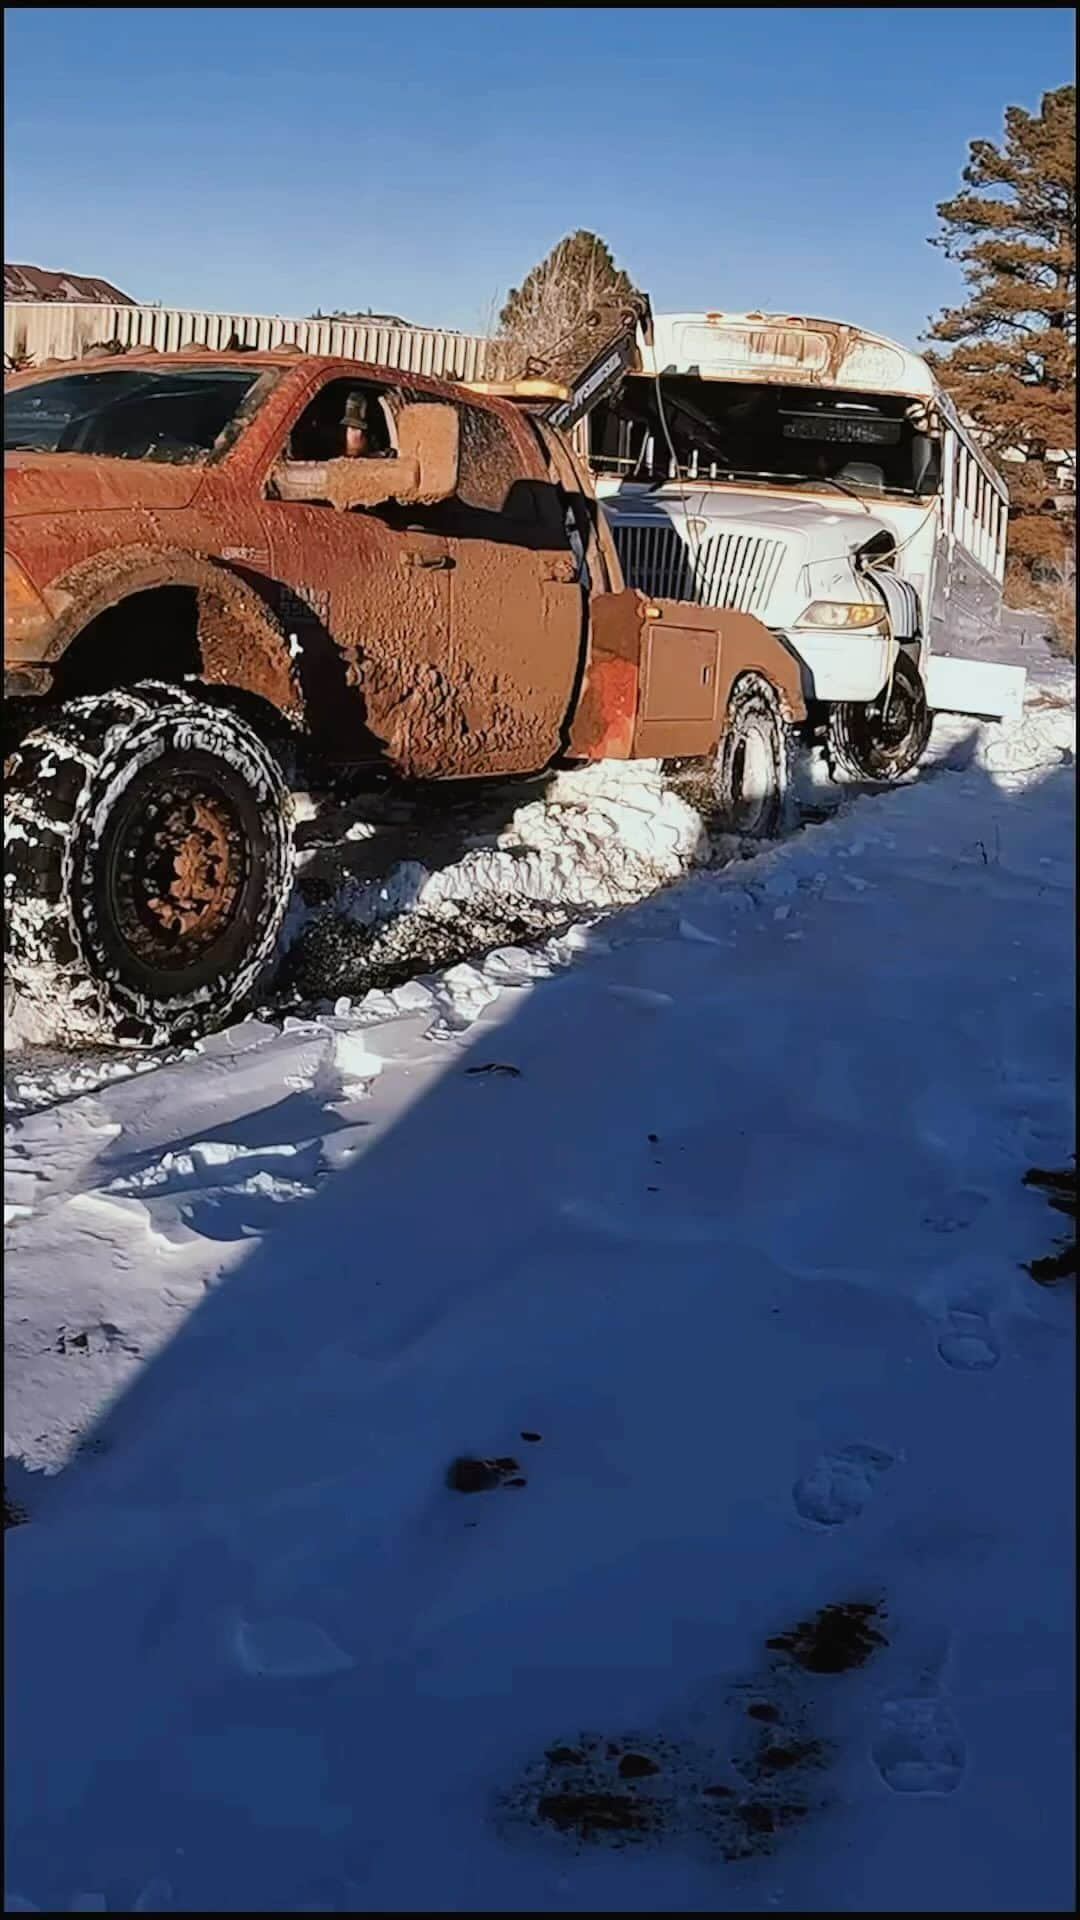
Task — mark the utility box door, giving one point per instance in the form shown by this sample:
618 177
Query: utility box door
680 673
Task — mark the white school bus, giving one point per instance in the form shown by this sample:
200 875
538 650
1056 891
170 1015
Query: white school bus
817 476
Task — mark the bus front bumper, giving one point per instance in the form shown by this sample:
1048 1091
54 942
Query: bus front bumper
843 666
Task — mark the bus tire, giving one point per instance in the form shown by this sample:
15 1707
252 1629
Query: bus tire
870 742
148 862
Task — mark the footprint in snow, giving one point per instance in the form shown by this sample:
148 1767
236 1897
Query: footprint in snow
919 1747
840 1485
957 1211
641 996
286 1648
630 1225
968 1342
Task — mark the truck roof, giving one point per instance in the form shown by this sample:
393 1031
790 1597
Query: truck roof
266 358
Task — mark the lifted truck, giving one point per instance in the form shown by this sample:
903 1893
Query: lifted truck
198 587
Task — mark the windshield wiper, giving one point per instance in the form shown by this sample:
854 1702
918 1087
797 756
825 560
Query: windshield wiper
830 480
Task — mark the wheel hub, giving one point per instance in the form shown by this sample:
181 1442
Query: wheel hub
752 777
180 865
896 719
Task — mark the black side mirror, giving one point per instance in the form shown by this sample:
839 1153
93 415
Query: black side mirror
925 463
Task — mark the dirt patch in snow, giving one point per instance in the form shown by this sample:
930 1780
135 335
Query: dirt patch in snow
14 1516
596 838
638 1788
834 1639
337 957
469 1475
1059 1186
764 1774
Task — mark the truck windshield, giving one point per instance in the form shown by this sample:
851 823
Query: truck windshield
726 430
182 416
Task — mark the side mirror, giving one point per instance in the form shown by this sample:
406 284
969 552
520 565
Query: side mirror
925 464
424 471
430 436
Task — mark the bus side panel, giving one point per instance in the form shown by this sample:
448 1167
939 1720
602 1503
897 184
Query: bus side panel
969 565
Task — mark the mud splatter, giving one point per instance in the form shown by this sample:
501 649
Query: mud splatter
637 1789
594 1788
468 1474
1059 1186
835 1639
590 1814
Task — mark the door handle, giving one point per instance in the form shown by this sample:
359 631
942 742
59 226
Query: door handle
432 562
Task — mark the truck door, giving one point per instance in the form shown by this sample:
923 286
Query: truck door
517 601
364 597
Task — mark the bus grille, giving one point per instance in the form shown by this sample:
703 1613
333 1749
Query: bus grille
724 570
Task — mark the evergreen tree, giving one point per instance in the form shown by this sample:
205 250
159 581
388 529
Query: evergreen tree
577 275
1012 365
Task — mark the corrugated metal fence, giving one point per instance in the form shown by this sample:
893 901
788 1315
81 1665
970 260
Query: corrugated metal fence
54 330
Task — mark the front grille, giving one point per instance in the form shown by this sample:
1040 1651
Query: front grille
721 570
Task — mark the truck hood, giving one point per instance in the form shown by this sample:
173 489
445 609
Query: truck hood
56 483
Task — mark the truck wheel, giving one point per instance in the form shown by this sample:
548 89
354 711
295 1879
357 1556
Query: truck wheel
148 862
876 742
752 769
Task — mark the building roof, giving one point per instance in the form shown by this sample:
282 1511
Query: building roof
363 319
38 283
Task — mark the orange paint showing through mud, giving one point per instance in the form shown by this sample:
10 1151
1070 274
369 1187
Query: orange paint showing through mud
604 724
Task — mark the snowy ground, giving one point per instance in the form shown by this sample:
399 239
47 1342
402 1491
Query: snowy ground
701 1228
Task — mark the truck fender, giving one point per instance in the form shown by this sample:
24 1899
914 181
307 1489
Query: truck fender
902 601
241 640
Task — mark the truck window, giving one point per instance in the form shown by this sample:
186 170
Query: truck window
320 432
490 477
180 416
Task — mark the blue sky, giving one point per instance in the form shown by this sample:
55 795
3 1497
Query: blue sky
420 160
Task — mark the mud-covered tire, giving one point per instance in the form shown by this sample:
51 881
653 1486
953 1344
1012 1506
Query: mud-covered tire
870 743
148 862
751 772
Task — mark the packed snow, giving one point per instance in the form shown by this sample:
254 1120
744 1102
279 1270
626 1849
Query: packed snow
573 1430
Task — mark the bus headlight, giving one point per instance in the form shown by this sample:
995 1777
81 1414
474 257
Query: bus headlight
869 615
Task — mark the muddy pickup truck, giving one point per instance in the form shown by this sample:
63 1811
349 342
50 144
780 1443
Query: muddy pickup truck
217 563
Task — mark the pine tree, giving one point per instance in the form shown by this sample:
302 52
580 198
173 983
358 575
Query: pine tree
575 277
1012 368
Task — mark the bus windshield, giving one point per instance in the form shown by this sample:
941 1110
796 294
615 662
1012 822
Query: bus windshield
862 443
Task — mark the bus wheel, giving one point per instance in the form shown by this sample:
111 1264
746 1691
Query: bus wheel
881 741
